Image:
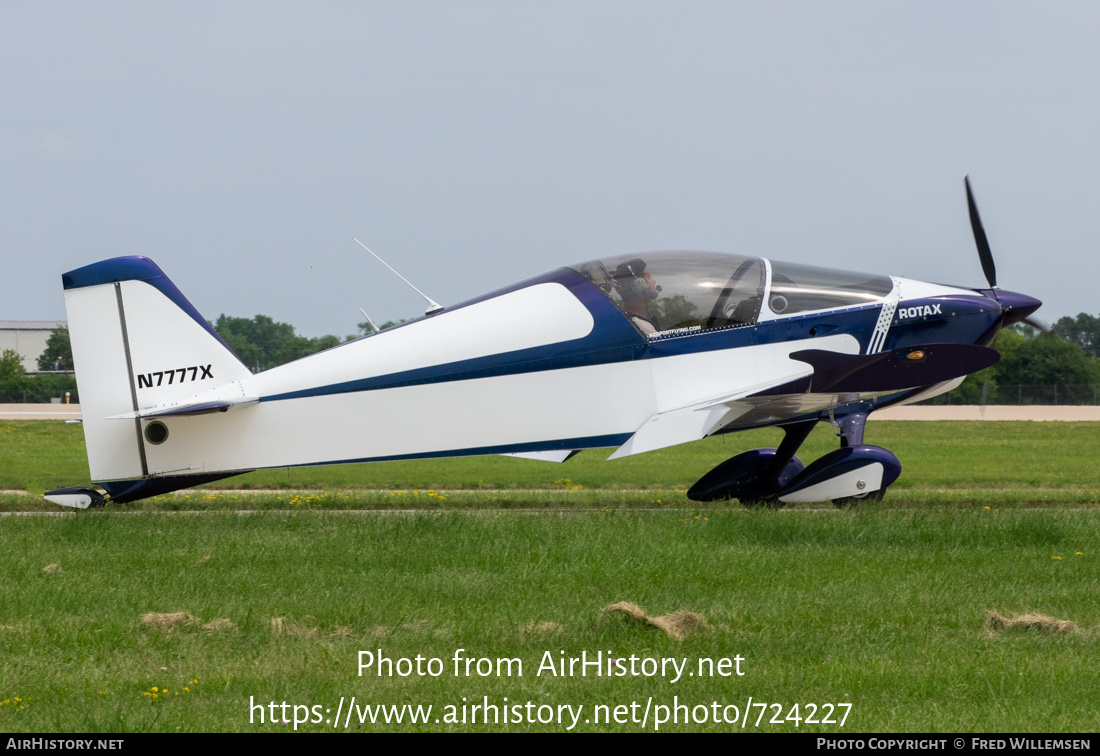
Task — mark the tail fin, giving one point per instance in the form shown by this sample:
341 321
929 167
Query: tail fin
138 345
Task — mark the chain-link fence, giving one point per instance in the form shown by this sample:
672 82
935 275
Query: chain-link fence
1051 394
39 395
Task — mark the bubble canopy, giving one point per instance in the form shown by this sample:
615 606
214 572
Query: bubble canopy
680 292
804 288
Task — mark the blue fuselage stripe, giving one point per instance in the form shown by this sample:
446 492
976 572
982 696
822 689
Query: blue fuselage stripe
587 442
613 339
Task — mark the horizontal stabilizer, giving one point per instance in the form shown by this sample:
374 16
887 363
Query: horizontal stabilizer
183 410
894 370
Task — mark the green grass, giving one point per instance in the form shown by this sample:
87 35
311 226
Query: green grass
880 609
1019 457
882 606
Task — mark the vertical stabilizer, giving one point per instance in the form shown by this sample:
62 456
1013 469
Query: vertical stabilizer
137 344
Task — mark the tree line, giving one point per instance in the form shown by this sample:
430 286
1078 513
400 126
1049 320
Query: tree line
1069 355
1065 357
261 342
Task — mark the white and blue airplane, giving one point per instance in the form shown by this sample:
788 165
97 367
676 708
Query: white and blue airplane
636 352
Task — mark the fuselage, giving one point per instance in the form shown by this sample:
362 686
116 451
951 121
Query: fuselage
562 362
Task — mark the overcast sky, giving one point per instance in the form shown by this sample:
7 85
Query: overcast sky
242 145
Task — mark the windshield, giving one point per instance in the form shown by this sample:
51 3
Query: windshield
666 293
800 288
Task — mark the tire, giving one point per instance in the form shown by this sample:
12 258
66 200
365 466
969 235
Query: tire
851 501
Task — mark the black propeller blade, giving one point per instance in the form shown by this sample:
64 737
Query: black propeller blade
1015 307
1036 325
984 253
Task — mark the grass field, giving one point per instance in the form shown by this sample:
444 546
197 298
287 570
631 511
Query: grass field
1013 462
883 610
882 607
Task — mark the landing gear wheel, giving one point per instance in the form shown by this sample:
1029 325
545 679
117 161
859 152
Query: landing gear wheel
851 501
76 497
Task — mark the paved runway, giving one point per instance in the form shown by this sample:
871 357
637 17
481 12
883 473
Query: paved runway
39 411
990 412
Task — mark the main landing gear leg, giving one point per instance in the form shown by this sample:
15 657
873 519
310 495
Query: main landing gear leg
757 476
850 428
781 470
793 438
853 473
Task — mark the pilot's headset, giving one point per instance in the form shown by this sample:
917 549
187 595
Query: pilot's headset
630 280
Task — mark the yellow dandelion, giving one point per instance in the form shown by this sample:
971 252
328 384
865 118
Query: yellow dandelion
154 688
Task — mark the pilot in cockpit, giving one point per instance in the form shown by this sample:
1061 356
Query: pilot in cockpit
637 288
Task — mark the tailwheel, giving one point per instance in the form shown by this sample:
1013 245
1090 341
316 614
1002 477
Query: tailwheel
76 497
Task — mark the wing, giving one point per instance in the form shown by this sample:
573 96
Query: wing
831 379
695 421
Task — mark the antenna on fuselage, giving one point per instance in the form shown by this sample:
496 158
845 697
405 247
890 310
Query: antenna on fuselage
433 306
344 294
365 315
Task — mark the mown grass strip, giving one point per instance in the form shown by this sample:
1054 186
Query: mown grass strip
883 609
38 455
968 498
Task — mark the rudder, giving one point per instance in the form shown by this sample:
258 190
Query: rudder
138 344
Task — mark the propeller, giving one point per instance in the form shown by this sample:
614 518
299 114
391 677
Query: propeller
1035 324
1009 301
984 253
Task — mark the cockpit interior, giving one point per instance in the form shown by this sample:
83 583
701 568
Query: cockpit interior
676 293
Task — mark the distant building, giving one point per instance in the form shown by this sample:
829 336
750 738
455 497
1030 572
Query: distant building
28 337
